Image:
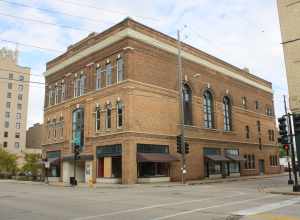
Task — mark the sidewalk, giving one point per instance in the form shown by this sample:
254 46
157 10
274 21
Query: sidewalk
165 184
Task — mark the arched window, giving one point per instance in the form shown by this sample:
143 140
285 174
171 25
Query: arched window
208 110
187 105
78 127
227 113
119 114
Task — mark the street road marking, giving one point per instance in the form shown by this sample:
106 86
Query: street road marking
268 207
210 207
154 206
273 217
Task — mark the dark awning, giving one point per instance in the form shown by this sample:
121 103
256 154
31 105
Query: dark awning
155 157
81 157
216 157
235 158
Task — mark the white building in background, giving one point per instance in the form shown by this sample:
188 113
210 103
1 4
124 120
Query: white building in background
14 89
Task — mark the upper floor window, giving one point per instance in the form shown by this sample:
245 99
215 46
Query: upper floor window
208 109
56 99
10 76
227 113
5 134
17 135
256 104
21 78
17 145
98 113
5 144
6 124
79 86
9 85
258 126
7 114
8 104
119 114
120 73
19 106
18 115
18 125
271 135
8 95
20 97
187 105
98 78
63 91
108 74
108 116
20 88
247 130
244 102
269 111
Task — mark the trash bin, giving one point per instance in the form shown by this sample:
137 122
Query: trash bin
73 181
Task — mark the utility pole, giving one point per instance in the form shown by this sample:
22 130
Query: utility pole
290 181
181 110
296 187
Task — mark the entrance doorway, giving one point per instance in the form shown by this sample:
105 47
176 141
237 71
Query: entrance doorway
261 167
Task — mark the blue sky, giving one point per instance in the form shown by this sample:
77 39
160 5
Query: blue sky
243 33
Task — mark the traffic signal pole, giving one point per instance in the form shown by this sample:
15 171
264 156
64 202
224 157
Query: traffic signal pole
181 110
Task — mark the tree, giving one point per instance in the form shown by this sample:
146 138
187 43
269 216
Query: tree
32 164
8 162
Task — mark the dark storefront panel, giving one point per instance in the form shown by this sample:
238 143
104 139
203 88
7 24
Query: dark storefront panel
109 150
55 163
152 148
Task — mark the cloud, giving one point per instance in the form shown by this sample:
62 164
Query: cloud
243 33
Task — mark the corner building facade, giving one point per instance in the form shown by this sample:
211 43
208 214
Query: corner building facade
115 94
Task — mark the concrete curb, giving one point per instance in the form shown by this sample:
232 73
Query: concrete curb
284 193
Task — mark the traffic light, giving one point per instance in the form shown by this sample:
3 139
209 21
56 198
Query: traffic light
178 141
283 132
76 151
296 119
186 147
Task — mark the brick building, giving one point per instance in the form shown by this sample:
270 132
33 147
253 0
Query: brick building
115 94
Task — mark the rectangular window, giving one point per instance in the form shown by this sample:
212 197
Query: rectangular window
5 134
17 145
18 125
120 74
82 85
8 95
56 95
5 144
247 132
258 126
10 76
256 105
9 85
17 135
19 106
108 74
18 115
6 124
98 78
8 104
7 114
21 78
20 88
20 97
249 161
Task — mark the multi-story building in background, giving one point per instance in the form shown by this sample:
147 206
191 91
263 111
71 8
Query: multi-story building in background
34 136
116 95
289 17
14 89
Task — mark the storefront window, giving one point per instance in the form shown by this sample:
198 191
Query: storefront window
214 167
152 169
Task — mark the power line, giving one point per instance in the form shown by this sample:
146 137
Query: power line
52 11
44 22
105 9
31 45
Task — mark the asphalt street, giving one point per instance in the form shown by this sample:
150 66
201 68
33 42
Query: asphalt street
230 201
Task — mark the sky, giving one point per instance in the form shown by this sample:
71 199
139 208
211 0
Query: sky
243 33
